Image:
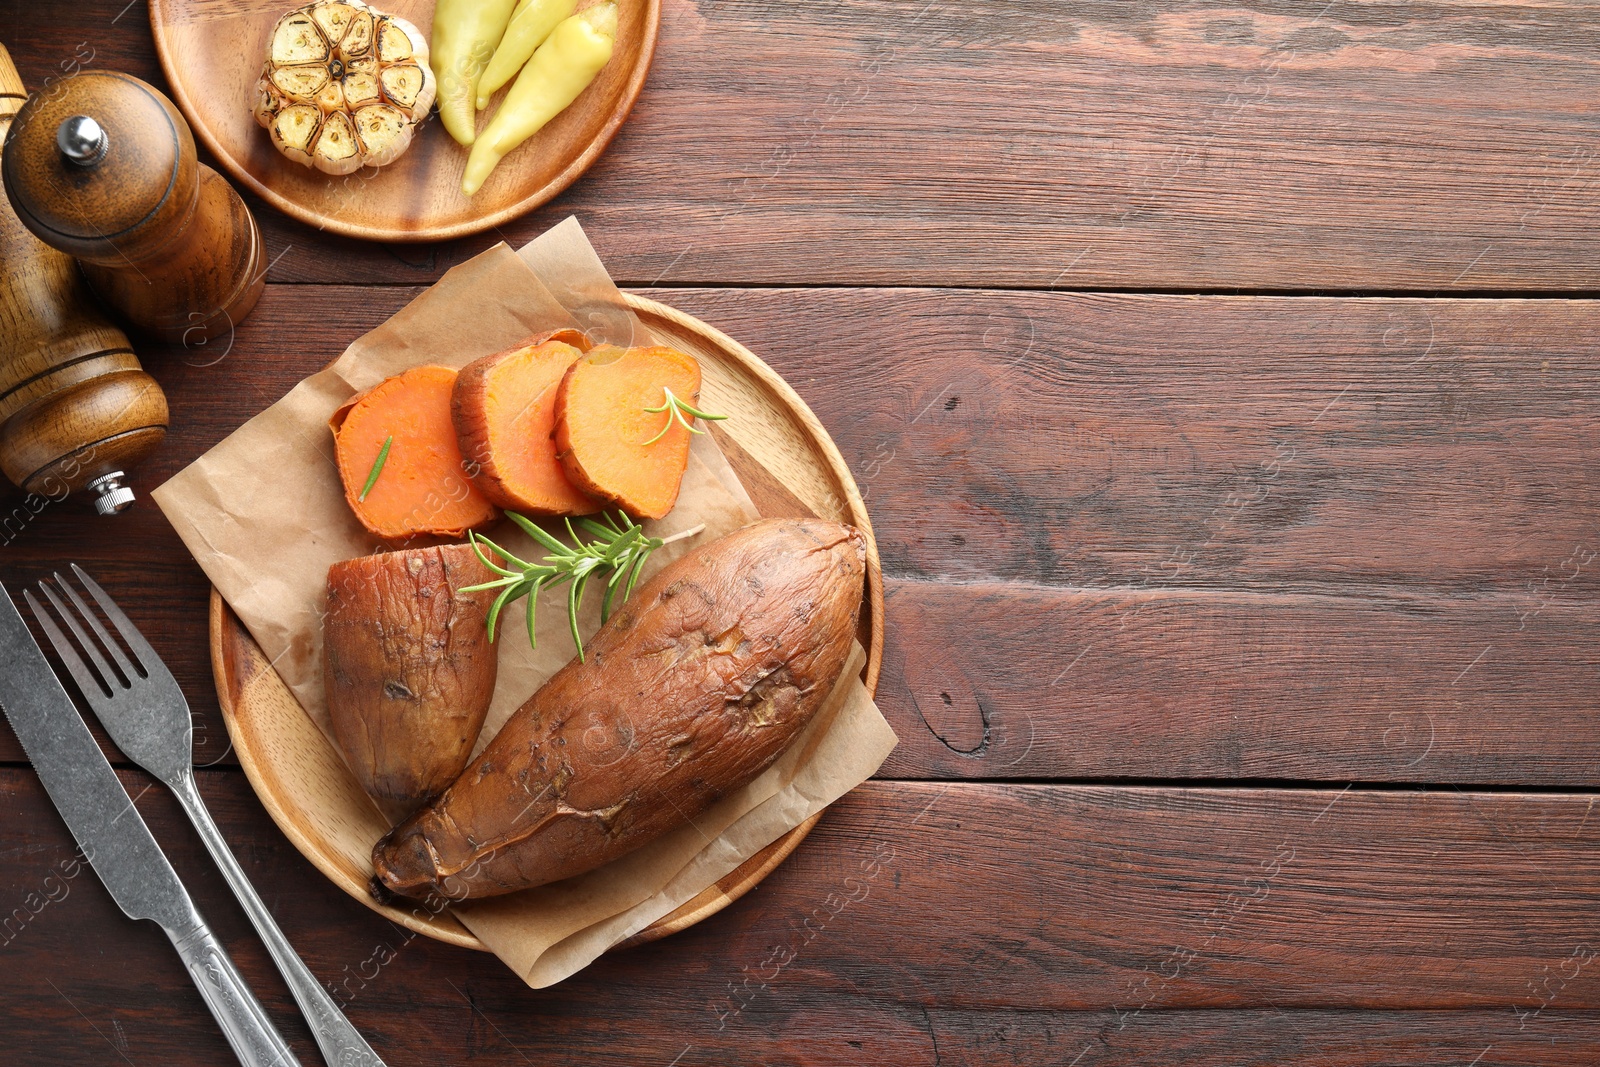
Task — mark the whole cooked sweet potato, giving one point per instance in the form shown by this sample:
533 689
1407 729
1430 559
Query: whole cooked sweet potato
408 667
691 690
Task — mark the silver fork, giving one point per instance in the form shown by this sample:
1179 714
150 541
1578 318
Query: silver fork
144 711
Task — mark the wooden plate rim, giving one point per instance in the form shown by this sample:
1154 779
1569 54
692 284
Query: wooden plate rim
159 15
444 926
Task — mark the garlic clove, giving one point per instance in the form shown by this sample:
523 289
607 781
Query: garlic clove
297 40
360 89
402 86
384 133
336 151
294 129
333 19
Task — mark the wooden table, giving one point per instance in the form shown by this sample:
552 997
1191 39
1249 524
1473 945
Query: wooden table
1223 379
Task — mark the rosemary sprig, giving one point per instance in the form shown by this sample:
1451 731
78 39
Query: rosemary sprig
377 467
675 409
616 553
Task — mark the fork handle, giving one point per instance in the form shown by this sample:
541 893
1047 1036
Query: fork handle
341 1044
244 1021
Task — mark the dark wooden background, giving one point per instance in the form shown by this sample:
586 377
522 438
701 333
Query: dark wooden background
1222 378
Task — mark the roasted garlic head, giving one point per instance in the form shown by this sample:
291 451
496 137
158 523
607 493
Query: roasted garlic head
344 86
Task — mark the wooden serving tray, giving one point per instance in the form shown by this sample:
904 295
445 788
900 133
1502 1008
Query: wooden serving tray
212 52
790 467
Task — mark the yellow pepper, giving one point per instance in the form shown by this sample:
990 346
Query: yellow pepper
530 25
465 35
560 69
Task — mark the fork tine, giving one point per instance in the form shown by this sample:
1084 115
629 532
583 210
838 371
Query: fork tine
86 647
146 656
86 614
88 684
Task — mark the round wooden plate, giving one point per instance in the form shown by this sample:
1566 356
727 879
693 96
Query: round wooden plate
790 466
212 52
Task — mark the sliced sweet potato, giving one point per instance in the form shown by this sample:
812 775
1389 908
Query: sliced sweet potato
612 447
504 407
420 488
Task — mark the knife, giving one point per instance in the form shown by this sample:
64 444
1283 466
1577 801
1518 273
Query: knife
114 838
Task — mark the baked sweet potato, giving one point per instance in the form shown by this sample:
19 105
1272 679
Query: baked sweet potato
504 408
408 668
400 462
612 445
691 690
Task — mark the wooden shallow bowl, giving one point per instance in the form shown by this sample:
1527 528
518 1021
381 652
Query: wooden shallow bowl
212 52
791 468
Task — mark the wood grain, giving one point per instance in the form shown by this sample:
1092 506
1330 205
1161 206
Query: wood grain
1047 474
74 402
1431 145
1316 445
1107 452
169 246
998 680
417 197
1163 926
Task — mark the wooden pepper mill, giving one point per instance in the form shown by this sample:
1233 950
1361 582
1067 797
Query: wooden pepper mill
103 168
76 409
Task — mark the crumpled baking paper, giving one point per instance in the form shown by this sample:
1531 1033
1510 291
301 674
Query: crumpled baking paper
265 516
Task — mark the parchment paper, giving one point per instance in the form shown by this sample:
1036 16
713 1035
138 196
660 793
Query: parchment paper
265 516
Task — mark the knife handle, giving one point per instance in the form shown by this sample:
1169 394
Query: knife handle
244 1021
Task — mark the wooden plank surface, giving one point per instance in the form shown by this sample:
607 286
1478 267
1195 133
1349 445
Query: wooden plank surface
1435 145
1297 538
1311 444
994 680
1158 564
1050 920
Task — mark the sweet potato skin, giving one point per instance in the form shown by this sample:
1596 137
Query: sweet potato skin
408 667
691 690
511 458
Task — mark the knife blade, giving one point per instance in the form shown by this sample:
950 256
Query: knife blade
81 783
114 838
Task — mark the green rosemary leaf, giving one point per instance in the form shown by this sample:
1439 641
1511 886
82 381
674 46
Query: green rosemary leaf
611 591
616 555
574 597
674 409
605 533
377 467
533 605
473 538
638 565
697 413
499 583
537 533
499 603
624 543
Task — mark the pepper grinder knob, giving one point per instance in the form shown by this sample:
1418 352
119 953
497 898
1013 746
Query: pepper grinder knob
82 140
110 495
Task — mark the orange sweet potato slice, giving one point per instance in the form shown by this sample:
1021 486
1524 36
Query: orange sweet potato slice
421 487
604 434
504 408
